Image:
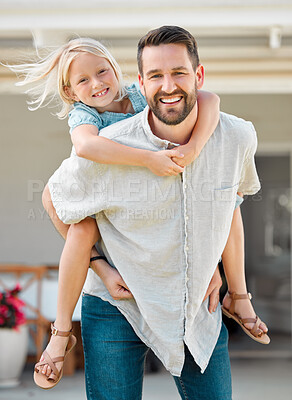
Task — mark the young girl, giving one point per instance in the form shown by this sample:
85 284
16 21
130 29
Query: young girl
92 92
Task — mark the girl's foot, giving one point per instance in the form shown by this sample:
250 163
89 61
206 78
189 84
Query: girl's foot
55 348
243 309
49 370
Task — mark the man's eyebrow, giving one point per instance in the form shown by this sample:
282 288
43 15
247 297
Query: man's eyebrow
179 68
155 71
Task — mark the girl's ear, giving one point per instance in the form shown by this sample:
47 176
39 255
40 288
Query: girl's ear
69 92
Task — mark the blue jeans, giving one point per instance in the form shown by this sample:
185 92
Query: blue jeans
115 356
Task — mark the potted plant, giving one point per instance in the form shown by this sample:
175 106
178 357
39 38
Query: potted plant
13 337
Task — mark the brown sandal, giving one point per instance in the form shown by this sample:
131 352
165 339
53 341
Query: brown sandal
48 382
255 333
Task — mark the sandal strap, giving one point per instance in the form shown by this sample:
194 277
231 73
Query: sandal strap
248 320
56 332
53 377
256 331
51 362
45 362
234 297
48 360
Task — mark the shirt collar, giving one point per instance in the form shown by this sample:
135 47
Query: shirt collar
161 143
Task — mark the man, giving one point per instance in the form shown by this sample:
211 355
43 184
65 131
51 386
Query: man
165 236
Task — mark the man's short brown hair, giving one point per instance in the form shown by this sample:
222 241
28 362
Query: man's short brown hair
166 35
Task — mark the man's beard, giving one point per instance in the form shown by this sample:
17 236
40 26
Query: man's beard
173 116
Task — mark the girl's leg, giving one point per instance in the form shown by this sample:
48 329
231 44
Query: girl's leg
73 269
75 259
233 263
74 263
58 224
48 206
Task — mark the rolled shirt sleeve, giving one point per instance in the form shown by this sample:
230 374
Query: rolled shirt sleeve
249 181
83 115
78 189
239 201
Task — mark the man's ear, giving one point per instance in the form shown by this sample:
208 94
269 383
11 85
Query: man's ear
200 75
69 92
141 84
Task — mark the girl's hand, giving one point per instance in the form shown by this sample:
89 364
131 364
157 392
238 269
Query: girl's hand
189 152
161 163
111 279
116 285
213 291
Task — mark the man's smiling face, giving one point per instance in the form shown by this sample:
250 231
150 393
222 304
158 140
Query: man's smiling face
169 82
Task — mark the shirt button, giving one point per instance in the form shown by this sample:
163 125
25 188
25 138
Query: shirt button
186 248
187 279
185 186
187 218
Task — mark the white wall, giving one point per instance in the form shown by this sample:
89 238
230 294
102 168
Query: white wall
32 145
270 113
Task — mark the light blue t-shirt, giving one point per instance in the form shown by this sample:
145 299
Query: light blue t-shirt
83 114
239 200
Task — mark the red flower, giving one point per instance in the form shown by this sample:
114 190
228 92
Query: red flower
11 314
4 311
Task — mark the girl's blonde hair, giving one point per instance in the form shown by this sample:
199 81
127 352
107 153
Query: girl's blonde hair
52 72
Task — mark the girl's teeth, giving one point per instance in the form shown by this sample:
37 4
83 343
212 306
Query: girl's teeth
101 93
173 100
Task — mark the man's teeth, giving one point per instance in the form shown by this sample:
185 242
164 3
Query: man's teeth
169 101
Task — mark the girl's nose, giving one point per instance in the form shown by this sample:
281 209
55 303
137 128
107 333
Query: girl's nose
96 83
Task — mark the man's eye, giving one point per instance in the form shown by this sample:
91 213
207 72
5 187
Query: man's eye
155 76
179 73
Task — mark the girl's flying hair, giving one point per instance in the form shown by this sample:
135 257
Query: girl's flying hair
52 74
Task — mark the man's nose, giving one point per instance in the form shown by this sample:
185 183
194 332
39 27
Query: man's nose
168 85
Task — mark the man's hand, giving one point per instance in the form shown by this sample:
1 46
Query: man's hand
213 291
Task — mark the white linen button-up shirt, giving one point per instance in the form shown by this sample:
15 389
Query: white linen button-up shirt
165 235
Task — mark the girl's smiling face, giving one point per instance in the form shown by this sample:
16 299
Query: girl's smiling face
93 82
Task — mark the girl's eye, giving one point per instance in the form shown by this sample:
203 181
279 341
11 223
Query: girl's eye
82 80
102 71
